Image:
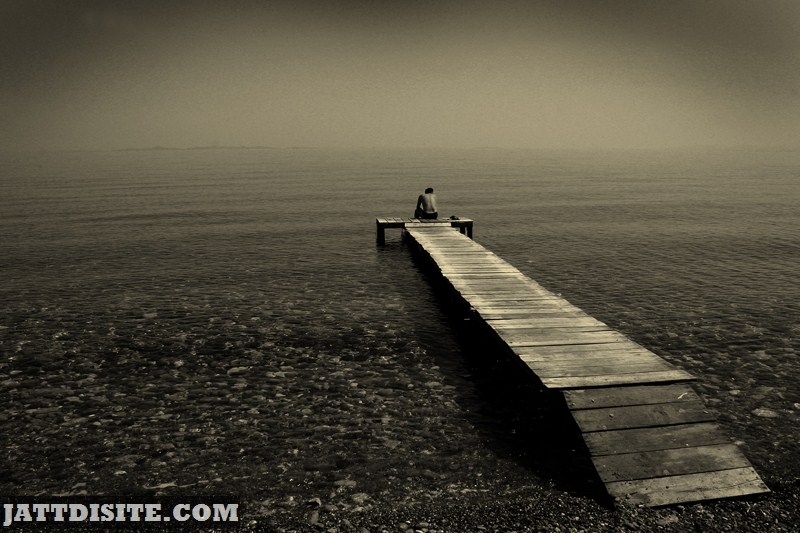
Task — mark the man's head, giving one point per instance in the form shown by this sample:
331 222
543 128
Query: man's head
429 190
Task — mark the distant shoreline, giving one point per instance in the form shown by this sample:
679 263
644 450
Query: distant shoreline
670 149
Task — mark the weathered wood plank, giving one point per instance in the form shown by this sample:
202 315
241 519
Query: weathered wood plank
472 289
654 438
534 306
559 336
486 285
597 351
622 379
491 281
488 277
543 313
688 488
467 270
494 282
511 299
541 322
639 416
673 462
620 361
526 307
613 397
544 370
532 297
627 344
461 256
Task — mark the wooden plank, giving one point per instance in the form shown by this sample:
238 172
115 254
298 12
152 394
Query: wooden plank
588 358
616 396
672 376
510 289
511 293
456 241
639 416
446 234
595 351
609 364
485 264
688 488
486 276
561 332
541 322
521 308
622 379
543 370
516 299
475 258
453 240
471 272
508 286
461 257
434 229
654 438
616 362
462 274
559 336
542 313
673 462
512 300
538 309
451 250
489 281
472 266
530 300
468 269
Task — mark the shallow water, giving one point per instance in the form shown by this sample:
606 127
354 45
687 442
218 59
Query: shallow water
222 321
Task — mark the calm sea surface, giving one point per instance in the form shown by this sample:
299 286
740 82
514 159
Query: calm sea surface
221 320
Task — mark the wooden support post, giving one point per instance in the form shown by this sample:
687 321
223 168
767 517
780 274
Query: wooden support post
381 233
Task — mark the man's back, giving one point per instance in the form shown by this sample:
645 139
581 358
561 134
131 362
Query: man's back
428 202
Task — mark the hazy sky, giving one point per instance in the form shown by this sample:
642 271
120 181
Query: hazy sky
561 73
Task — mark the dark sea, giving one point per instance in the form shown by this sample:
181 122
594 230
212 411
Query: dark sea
207 321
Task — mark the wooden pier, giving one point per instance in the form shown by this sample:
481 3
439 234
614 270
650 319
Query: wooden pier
650 437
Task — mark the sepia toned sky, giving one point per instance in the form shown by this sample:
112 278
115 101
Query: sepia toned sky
517 74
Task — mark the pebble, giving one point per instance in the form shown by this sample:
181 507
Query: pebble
360 498
765 413
237 370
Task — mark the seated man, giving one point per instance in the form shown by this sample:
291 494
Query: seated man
426 205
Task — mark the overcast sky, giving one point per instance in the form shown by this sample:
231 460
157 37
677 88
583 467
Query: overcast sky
532 74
